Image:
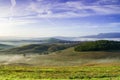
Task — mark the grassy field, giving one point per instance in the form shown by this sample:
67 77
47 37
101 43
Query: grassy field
109 71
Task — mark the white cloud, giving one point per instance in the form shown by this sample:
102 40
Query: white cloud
11 23
56 9
73 9
107 1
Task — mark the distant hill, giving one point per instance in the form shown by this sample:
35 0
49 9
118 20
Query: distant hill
56 40
4 46
104 35
52 40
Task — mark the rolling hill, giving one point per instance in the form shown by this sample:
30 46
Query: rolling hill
66 57
68 51
4 46
39 48
56 54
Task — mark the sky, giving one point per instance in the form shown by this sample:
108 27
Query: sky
47 18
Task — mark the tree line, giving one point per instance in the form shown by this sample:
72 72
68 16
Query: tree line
100 45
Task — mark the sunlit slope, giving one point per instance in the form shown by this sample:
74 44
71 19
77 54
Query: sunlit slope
71 54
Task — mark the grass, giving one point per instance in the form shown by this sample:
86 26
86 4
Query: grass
84 72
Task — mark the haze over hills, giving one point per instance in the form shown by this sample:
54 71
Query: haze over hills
39 40
101 36
104 35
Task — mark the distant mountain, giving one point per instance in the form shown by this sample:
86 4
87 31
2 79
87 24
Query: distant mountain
104 35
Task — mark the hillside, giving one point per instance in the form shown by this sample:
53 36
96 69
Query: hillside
92 49
66 57
38 48
70 54
4 46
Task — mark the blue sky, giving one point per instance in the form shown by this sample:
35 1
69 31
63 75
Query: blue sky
45 18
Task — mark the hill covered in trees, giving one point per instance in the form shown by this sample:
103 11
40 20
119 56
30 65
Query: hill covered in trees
100 45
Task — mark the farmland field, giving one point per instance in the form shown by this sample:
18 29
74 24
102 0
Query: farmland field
108 71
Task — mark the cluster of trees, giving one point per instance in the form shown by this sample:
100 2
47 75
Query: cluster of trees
100 45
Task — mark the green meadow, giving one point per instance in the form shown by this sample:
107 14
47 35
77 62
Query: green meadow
109 71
